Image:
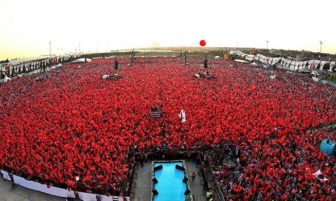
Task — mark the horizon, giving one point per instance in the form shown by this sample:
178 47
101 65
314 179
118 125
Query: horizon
168 48
102 26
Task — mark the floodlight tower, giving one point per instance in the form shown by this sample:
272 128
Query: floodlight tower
267 44
50 49
320 46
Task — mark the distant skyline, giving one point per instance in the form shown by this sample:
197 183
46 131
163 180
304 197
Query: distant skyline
27 27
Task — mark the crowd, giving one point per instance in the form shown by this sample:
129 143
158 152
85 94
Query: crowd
74 129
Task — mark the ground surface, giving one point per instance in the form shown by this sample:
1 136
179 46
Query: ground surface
143 182
8 192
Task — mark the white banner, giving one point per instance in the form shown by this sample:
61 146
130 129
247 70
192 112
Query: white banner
5 175
322 64
332 64
92 197
249 57
60 192
43 188
285 63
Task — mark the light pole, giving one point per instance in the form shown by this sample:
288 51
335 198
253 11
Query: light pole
320 46
267 44
50 49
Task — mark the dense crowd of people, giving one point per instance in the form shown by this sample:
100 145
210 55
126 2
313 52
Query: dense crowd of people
277 168
74 129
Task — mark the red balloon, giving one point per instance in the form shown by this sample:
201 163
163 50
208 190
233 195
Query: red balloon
202 43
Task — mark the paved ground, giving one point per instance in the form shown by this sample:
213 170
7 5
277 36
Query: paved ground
9 192
142 183
196 185
141 189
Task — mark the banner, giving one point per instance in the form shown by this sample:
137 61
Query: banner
285 63
60 192
332 64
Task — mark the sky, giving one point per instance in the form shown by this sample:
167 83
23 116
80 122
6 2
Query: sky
27 26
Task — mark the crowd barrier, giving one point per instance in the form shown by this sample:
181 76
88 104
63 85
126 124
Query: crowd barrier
60 192
285 63
14 68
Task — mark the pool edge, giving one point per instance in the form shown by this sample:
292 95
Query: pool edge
170 161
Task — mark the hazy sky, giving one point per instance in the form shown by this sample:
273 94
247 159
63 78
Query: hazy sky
27 26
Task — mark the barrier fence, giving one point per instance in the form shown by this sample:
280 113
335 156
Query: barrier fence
284 63
60 192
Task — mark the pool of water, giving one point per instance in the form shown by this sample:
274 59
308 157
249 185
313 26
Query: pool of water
170 184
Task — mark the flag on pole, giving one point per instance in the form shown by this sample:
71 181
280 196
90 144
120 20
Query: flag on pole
182 116
318 174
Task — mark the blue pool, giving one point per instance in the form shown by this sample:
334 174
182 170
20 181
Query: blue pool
170 185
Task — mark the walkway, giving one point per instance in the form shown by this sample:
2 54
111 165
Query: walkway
141 187
142 181
196 185
9 192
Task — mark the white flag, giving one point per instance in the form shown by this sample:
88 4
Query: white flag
182 116
318 174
